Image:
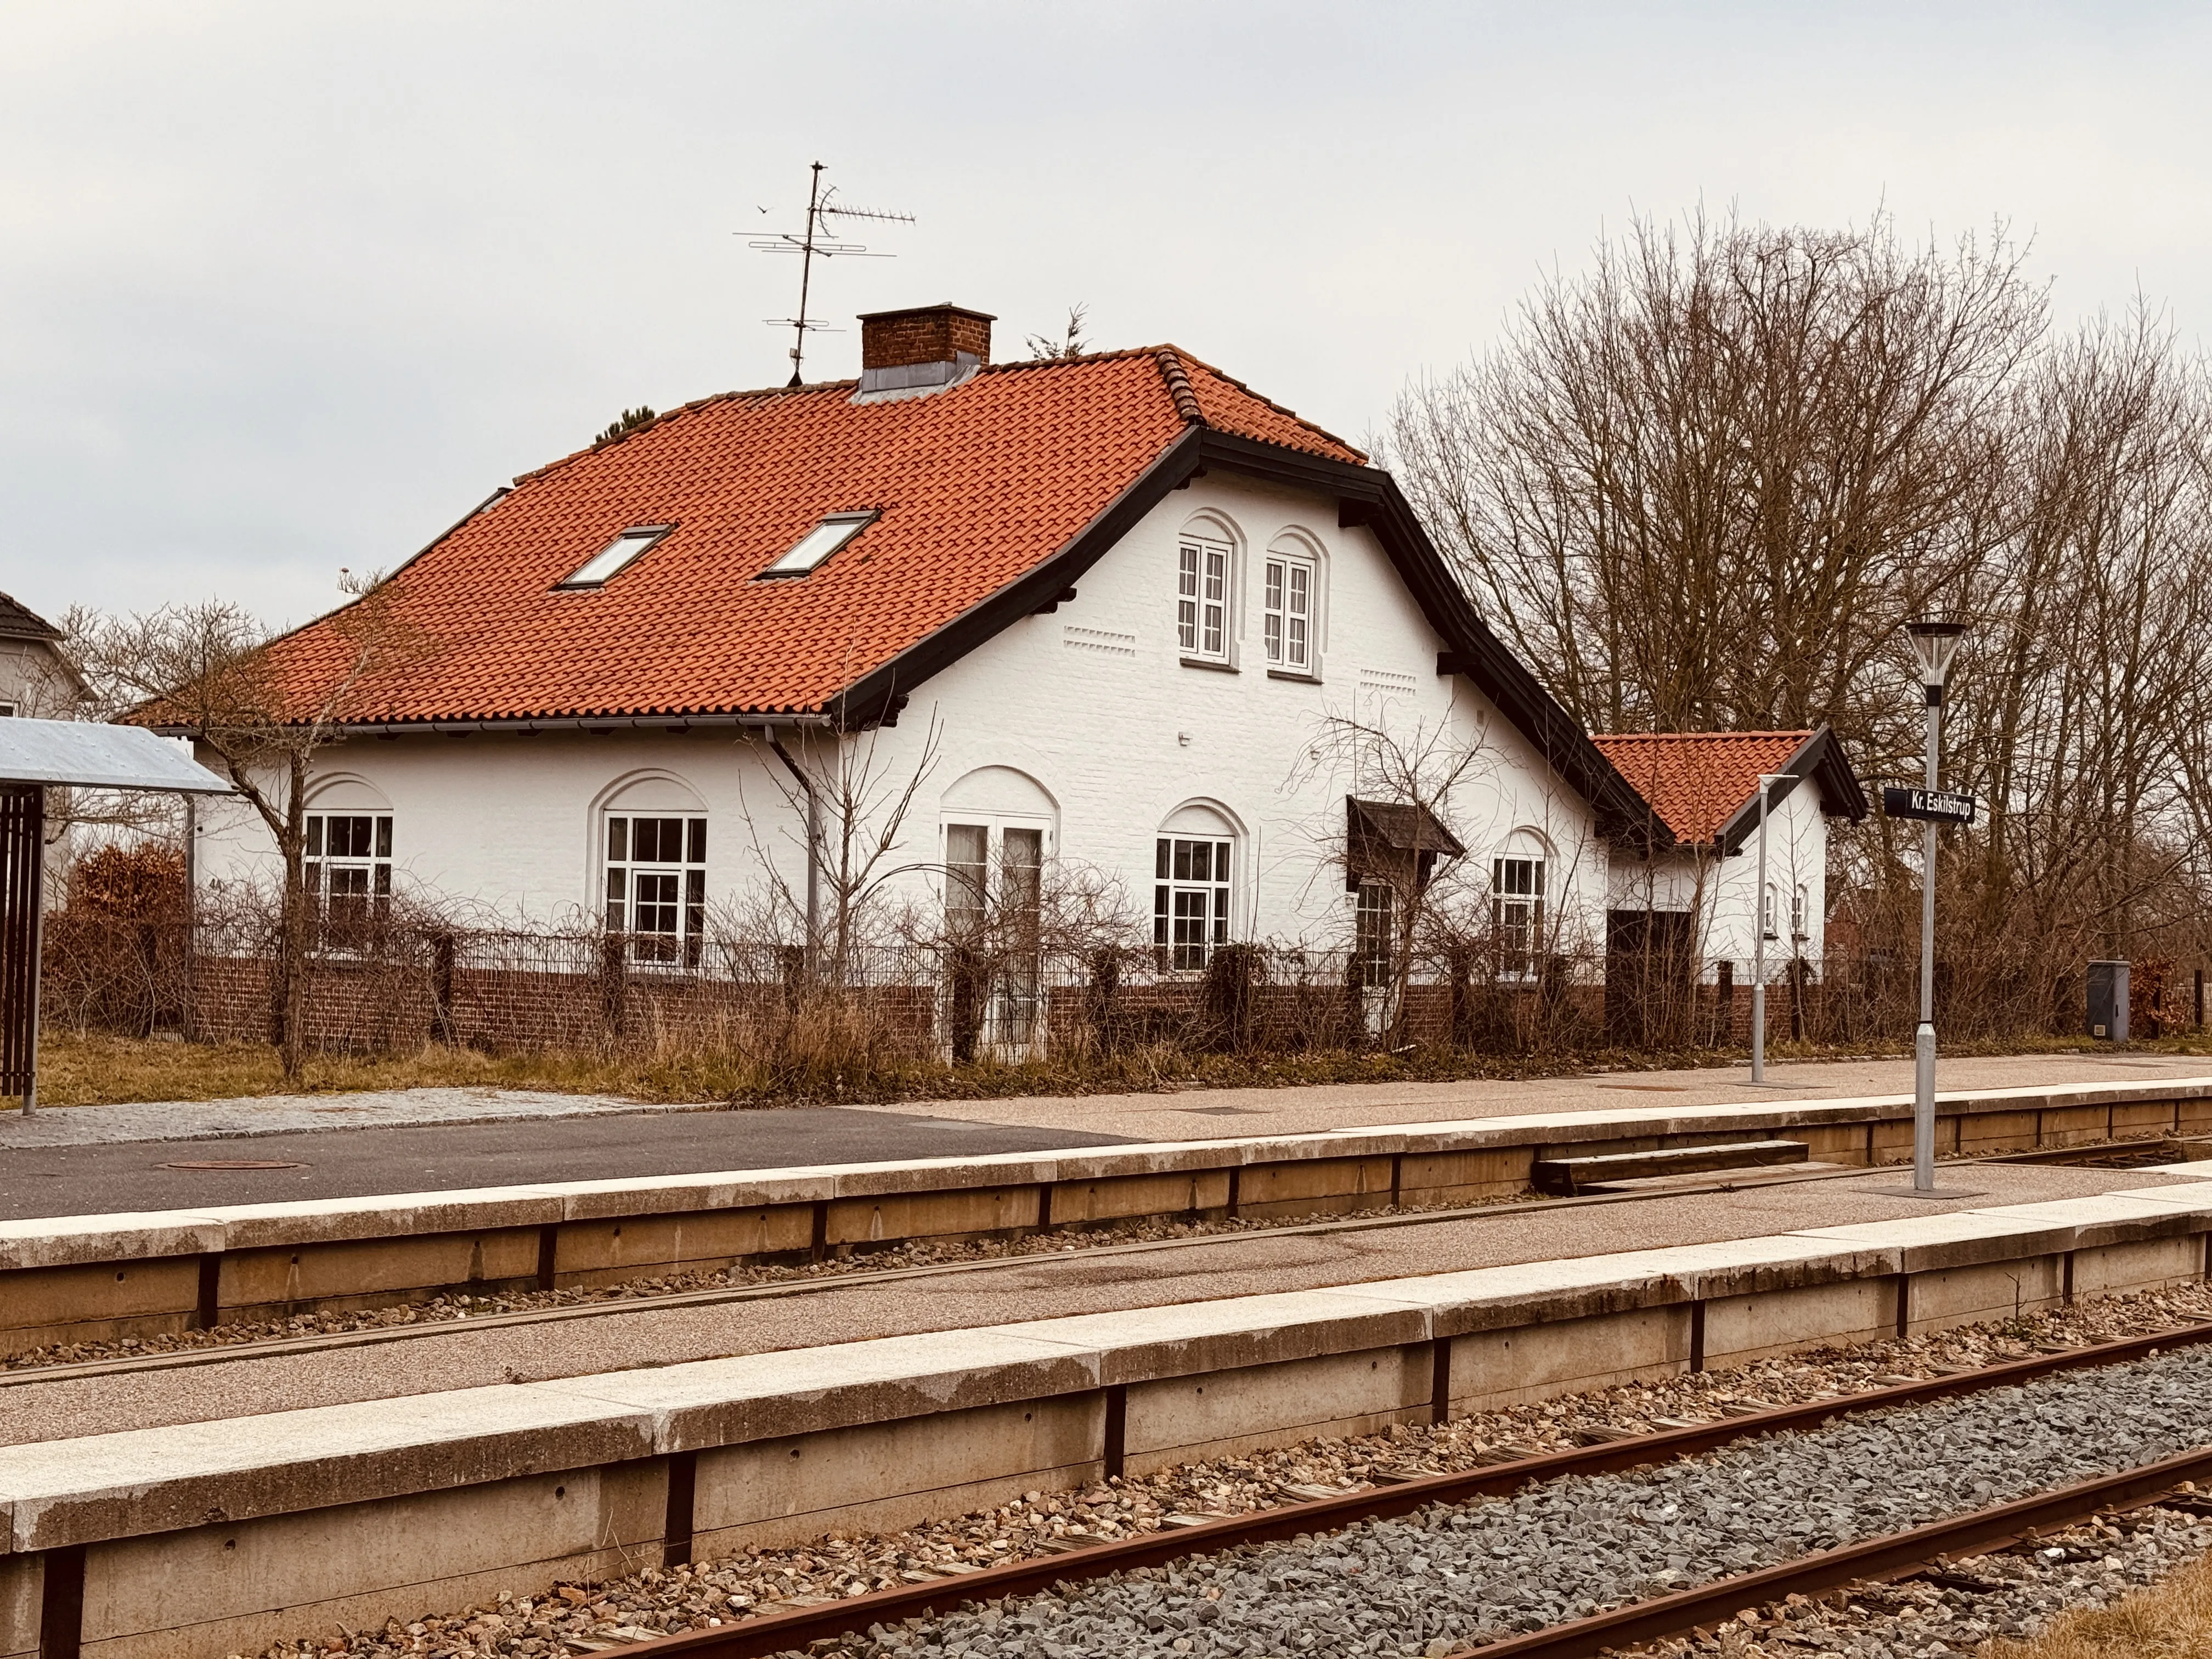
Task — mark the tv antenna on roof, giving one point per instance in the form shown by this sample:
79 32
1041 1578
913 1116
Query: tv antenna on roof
824 209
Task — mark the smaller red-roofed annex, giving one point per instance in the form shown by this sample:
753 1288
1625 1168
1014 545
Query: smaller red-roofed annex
1706 786
1115 612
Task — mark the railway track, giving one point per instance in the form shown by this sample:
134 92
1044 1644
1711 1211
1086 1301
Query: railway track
222 1353
1622 1627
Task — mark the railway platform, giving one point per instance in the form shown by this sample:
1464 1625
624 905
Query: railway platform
89 1160
1331 1278
189 1509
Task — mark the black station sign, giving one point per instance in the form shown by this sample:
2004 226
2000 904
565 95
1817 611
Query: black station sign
1934 805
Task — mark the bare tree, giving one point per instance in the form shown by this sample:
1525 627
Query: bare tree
202 671
1396 848
852 807
1702 485
1698 486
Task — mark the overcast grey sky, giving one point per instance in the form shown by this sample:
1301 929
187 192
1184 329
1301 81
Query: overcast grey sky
286 288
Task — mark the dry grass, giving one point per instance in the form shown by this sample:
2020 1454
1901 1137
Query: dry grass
91 1071
2171 1619
84 1070
100 1070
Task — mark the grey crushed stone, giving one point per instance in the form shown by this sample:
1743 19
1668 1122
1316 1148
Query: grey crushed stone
1453 1575
2083 1568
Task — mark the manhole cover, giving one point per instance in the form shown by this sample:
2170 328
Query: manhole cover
233 1163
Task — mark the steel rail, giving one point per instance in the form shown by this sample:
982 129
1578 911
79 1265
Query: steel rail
1876 1558
781 1632
215 1353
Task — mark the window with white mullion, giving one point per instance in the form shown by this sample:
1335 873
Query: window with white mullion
348 871
1287 625
1190 900
1517 914
657 886
1202 599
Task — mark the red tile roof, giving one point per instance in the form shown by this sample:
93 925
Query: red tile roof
975 485
1697 780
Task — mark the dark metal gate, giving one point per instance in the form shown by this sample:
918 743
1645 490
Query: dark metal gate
22 845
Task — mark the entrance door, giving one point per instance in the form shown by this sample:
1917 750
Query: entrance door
1649 977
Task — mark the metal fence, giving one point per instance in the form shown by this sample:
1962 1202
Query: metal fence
395 986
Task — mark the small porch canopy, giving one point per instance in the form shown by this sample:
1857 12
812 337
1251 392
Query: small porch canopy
36 756
1384 837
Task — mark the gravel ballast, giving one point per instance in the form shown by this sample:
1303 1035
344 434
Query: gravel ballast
1956 1608
1452 1575
583 1616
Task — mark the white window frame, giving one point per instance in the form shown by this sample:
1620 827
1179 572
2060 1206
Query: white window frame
1801 910
656 888
1770 909
1289 631
995 829
7 710
1013 1014
816 548
1374 934
616 556
1517 898
1205 598
364 872
1181 898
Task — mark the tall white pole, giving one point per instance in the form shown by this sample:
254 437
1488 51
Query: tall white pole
1923 1039
1759 952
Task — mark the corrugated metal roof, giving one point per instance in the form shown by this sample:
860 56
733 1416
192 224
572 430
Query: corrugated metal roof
87 753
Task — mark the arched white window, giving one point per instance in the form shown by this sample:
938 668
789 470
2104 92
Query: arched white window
348 863
652 844
1518 879
999 828
1206 592
1193 864
1290 605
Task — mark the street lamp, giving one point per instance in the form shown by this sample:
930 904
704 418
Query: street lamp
1934 644
1766 782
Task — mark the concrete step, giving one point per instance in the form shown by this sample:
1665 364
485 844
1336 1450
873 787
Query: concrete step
1568 1175
1702 1180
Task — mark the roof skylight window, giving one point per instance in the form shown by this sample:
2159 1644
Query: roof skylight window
819 543
597 571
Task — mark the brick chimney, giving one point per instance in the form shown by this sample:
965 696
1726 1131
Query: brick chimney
910 354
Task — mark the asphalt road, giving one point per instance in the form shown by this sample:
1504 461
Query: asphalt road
102 1180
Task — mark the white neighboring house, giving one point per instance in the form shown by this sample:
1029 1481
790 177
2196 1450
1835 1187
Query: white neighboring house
1123 595
1706 786
37 680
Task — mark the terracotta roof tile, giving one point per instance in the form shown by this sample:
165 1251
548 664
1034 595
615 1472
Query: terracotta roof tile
1697 779
975 485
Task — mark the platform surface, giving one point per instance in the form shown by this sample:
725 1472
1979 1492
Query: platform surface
91 1160
101 1176
468 1354
1204 1114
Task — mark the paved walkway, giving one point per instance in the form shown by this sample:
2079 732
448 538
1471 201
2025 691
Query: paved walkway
98 1177
276 1114
83 1160
1209 1113
464 1354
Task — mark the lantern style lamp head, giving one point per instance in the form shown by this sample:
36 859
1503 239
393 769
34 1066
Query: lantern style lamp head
1934 644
